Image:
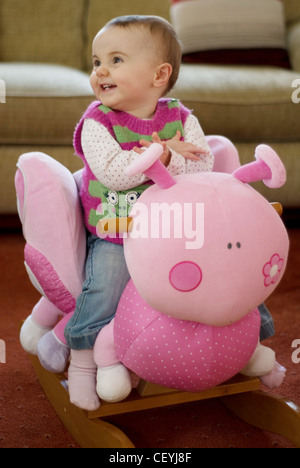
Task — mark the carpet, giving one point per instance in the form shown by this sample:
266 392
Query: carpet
28 420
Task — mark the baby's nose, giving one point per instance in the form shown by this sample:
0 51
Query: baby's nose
102 71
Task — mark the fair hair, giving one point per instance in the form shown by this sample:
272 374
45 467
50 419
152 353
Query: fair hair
167 42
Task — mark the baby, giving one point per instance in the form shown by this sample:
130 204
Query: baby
136 61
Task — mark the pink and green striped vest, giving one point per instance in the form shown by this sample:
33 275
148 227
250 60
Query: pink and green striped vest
127 130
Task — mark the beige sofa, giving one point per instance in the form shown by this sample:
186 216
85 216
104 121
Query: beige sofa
45 49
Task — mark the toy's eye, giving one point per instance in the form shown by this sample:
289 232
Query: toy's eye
112 197
131 197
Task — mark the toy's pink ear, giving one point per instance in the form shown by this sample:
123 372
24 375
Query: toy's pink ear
149 164
226 156
268 167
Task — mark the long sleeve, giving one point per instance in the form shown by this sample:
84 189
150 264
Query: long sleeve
106 158
108 161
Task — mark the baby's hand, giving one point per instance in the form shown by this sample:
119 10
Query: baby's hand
186 149
166 155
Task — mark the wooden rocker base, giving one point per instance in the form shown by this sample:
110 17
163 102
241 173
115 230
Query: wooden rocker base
240 394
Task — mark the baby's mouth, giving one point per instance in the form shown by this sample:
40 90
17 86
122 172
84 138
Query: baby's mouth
107 87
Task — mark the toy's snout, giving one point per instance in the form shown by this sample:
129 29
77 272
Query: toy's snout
185 276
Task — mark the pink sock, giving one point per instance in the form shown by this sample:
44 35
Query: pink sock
82 380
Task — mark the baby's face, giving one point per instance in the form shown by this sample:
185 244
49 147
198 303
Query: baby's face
124 67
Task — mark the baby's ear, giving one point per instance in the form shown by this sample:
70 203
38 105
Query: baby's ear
162 75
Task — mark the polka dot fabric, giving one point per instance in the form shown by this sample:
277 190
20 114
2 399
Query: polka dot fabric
180 354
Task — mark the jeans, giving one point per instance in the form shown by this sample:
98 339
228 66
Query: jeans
106 278
267 328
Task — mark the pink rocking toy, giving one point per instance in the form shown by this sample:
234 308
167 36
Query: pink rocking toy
203 251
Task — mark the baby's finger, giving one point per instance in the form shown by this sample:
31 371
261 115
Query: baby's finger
156 137
177 136
191 156
203 150
145 143
138 150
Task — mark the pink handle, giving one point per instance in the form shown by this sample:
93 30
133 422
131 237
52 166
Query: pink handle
257 170
145 160
268 167
149 164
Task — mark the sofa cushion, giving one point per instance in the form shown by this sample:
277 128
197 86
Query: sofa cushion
243 103
44 102
42 31
231 31
294 45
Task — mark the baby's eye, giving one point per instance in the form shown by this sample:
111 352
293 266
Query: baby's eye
96 63
117 60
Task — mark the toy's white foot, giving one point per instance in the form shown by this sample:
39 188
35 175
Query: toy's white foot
262 362
274 378
30 334
113 383
53 354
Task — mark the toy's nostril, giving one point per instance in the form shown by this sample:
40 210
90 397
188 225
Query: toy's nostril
185 276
